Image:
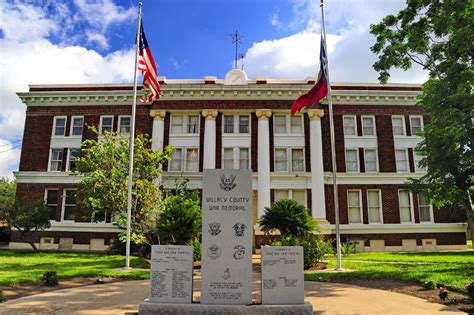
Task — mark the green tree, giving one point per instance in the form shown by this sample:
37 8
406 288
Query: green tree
288 217
27 218
7 192
180 221
104 166
438 35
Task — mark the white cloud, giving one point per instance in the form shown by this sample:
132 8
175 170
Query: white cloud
99 39
350 58
31 58
104 13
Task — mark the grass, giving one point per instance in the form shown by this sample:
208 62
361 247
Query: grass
452 270
17 267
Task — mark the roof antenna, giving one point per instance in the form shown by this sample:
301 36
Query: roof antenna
236 39
242 56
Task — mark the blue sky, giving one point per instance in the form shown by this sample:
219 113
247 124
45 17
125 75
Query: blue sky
92 41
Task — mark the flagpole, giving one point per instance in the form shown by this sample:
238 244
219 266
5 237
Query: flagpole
132 141
333 147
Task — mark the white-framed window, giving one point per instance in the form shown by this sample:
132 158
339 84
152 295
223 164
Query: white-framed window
370 159
416 125
426 210
72 155
68 212
244 158
289 159
398 125
106 124
297 194
401 157
56 160
416 159
193 123
285 124
236 124
192 159
374 203
281 160
368 125
352 160
176 163
51 200
350 125
77 125
184 124
405 206
59 126
228 158
124 124
354 204
297 160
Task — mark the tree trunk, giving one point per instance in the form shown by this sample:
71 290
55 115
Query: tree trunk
23 238
35 249
470 218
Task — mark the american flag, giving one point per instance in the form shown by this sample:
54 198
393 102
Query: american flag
146 64
319 90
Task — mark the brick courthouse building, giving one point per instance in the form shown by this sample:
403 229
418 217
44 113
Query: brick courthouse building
242 123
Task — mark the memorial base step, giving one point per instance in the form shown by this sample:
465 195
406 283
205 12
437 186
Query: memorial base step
148 308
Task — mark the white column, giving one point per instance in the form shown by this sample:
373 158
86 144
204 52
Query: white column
157 134
263 183
317 168
209 138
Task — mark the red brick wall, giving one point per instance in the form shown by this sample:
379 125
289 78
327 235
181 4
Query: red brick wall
272 144
219 141
386 147
254 142
307 143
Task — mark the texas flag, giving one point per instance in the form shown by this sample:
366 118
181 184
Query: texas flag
319 90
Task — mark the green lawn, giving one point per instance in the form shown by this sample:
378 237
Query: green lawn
18 267
452 270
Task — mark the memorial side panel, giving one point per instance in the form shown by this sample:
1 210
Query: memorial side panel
282 275
227 237
171 274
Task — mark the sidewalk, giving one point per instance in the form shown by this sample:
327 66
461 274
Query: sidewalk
124 297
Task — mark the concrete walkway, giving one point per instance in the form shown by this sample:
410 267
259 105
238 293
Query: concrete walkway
124 297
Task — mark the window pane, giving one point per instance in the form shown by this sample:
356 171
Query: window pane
370 160
193 124
281 194
417 159
402 163
177 124
60 126
51 197
56 159
228 158
175 163
106 124
368 126
280 160
299 196
192 160
124 124
73 154
374 205
280 124
354 199
244 158
77 126
425 213
297 160
354 207
397 125
228 124
243 124
349 126
351 161
296 124
415 125
405 206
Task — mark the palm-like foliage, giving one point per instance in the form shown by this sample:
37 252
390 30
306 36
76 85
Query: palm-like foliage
288 217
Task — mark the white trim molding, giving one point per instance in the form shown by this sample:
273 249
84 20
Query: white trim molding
374 228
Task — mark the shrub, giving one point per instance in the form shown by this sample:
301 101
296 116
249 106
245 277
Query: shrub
348 248
50 279
2 297
469 288
443 293
314 247
288 217
197 249
429 285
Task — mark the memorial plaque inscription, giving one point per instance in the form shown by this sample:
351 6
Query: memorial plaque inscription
282 275
171 274
226 237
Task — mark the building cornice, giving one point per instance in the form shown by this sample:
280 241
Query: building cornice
115 94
